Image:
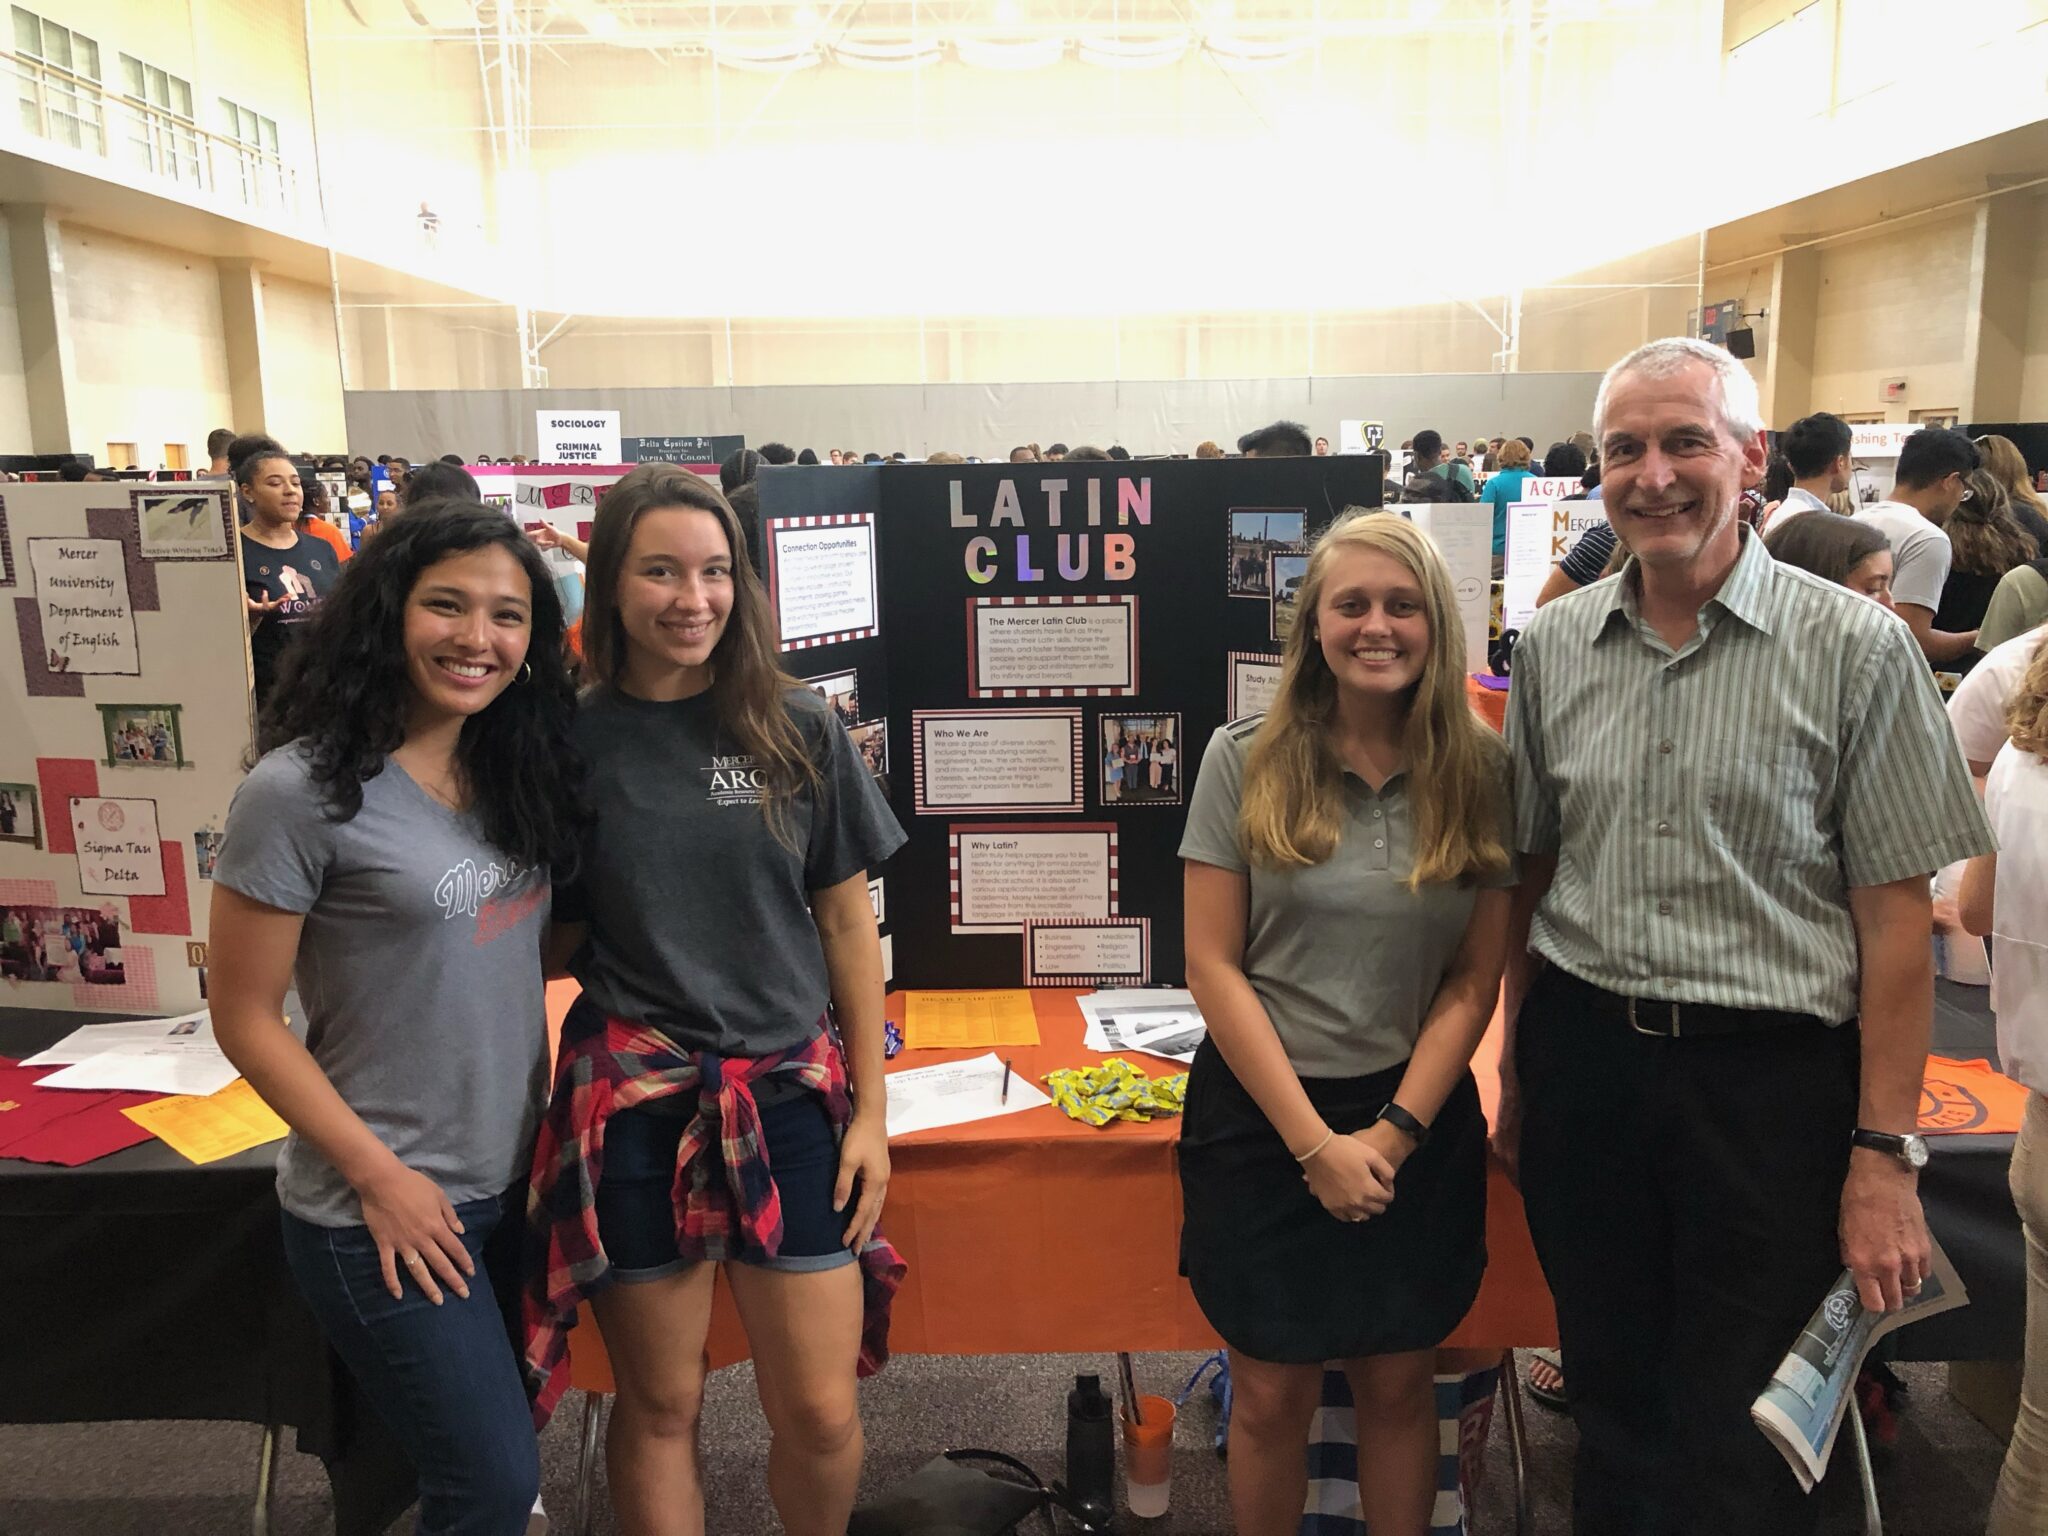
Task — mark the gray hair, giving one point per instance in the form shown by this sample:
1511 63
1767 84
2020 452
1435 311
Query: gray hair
1741 412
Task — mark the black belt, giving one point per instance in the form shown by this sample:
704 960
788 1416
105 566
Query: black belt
1670 1019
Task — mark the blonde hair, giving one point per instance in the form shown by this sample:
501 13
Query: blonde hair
2026 717
1207 450
1292 813
1514 454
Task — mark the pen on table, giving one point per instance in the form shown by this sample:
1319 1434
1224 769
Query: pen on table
1004 1097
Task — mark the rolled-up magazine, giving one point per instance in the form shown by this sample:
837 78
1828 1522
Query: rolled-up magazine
1801 1409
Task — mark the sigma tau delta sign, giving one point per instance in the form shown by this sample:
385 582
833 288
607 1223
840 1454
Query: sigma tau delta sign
578 437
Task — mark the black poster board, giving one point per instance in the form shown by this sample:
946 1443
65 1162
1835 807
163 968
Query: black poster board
679 450
1184 558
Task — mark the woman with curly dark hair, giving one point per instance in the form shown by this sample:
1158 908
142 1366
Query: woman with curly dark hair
392 851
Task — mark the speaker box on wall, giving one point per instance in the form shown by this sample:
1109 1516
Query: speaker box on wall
1743 342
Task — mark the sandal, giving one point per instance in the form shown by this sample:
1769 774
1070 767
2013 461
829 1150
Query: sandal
1545 1379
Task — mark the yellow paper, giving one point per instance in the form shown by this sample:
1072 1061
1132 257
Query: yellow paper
967 1021
205 1130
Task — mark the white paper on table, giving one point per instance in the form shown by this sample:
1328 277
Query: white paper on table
183 1067
1160 1021
89 1041
955 1093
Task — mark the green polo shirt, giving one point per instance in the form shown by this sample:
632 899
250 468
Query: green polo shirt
1345 958
1712 807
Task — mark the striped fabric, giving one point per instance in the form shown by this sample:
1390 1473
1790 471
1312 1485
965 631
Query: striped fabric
1712 807
727 1207
1464 1412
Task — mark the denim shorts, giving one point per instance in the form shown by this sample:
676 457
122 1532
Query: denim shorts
636 1211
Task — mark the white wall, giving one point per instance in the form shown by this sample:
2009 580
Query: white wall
301 367
14 425
1891 305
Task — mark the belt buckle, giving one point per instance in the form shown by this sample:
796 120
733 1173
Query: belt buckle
1671 1034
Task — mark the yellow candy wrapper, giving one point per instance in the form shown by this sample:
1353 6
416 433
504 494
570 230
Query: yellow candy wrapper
1116 1090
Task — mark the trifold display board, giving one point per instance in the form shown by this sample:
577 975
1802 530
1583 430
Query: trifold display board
1040 654
124 719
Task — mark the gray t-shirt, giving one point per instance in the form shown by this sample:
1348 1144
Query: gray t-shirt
419 967
699 917
1920 552
1345 958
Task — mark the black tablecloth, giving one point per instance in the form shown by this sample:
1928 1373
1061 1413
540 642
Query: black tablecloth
142 1287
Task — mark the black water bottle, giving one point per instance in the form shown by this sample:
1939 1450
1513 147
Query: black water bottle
1091 1453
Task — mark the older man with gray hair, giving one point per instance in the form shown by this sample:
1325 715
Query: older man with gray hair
1732 783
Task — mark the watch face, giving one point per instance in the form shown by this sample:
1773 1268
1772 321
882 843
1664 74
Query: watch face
1914 1150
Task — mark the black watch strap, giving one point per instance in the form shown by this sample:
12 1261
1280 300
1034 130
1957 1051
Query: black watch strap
1405 1123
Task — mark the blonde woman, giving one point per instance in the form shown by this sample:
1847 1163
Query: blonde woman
2005 895
1346 864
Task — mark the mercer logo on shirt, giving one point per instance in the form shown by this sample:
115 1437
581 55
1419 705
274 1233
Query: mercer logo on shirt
736 780
468 885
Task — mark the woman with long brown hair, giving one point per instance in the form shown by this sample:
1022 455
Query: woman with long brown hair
1346 860
718 1098
1987 541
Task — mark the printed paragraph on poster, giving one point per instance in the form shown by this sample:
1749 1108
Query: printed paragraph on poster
1004 875
998 760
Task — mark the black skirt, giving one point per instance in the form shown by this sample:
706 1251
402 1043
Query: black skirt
1279 1277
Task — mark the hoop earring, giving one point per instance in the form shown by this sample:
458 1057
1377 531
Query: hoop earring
526 672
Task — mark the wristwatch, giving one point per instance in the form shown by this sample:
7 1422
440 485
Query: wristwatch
1403 1122
1910 1149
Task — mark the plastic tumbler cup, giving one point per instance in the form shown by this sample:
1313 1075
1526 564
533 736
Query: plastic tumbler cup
1148 1458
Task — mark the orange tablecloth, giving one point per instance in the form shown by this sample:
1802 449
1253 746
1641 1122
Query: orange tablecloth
1035 1234
1491 704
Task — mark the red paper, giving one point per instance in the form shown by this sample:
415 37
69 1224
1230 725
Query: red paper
56 1125
59 778
171 912
557 495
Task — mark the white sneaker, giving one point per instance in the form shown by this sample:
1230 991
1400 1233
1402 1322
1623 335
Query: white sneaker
537 1522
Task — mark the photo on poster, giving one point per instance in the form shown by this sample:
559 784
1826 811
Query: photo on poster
1255 533
1138 760
70 944
1284 576
821 578
877 899
871 741
1005 873
206 850
1079 646
1253 684
997 760
842 691
143 735
1088 952
119 850
88 620
184 524
21 816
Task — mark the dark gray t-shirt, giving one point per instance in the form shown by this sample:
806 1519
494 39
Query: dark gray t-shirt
420 970
1345 958
699 918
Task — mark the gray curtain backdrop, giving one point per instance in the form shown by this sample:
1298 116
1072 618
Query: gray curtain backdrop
982 419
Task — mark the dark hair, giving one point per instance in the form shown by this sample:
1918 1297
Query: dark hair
746 506
777 453
871 458
1824 543
808 456
740 466
1589 477
313 496
1086 454
1029 457
1428 443
245 453
1283 439
343 690
439 481
1814 442
1058 448
383 458
748 683
71 471
1934 453
1564 459
1778 477
217 441
1528 443
1986 538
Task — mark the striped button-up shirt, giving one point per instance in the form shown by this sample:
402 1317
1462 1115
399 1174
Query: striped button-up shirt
1711 807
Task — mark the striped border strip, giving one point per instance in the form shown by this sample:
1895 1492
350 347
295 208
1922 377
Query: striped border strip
1074 600
1076 752
1230 661
1141 977
832 520
1106 828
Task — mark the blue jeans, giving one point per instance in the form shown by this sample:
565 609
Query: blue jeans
445 1379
